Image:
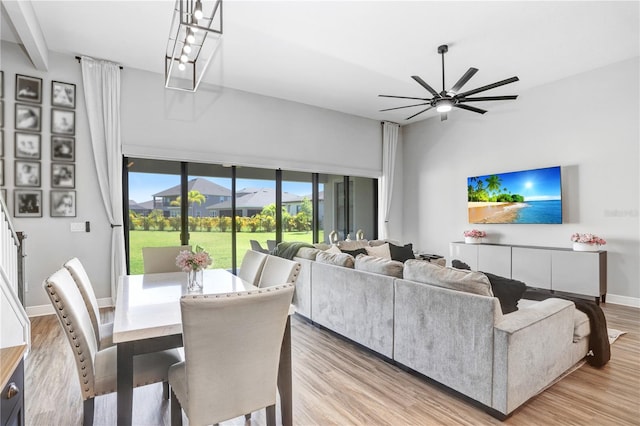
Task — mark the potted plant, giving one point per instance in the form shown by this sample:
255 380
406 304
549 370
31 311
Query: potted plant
474 236
587 242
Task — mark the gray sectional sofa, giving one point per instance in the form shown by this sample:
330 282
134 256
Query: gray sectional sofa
458 338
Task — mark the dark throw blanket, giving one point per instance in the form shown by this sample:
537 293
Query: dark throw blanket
288 249
599 348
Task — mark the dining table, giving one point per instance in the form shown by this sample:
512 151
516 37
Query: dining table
147 318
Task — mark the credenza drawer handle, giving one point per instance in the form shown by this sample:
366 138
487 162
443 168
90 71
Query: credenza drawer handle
12 391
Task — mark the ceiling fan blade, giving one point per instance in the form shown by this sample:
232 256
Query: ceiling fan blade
443 116
489 98
489 86
404 97
422 83
406 106
463 80
424 110
470 108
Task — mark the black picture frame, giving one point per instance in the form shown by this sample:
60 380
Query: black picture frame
28 89
27 203
1 172
63 122
63 94
28 117
63 175
1 84
1 113
27 145
63 148
1 142
3 193
27 173
63 203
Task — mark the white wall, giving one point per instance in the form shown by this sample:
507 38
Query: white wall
588 124
214 125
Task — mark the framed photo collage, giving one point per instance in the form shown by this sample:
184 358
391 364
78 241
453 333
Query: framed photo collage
27 148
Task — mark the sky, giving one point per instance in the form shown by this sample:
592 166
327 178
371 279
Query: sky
533 185
143 185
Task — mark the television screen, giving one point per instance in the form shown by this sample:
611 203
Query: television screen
528 196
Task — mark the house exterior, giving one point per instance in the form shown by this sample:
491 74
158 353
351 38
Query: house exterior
251 201
212 192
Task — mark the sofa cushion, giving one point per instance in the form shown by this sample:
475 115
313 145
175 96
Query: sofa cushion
380 251
352 245
508 291
308 253
333 249
455 279
378 265
322 246
401 253
355 252
341 259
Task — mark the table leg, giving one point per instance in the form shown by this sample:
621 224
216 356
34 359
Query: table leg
285 386
125 383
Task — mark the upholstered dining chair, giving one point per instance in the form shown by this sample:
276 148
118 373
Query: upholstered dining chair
161 259
103 331
220 379
278 270
255 245
97 368
251 267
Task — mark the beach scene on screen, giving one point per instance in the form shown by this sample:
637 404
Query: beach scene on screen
528 196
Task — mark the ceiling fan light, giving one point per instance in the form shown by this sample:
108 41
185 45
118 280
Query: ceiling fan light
444 106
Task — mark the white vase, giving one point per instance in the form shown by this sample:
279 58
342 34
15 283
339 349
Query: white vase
194 280
472 240
585 247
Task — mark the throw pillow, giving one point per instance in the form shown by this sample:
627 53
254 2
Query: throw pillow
455 279
378 265
507 291
401 253
380 251
307 253
459 264
333 249
355 252
342 259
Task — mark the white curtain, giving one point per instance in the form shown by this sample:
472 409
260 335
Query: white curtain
101 81
389 146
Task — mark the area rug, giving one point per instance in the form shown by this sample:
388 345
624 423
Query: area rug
614 334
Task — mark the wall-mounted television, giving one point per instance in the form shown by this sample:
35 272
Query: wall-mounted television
527 196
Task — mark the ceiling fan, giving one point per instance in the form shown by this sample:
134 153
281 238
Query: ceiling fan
444 101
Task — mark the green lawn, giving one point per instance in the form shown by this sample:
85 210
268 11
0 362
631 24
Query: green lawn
218 244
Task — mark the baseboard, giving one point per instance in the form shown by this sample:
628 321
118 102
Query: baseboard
615 299
40 310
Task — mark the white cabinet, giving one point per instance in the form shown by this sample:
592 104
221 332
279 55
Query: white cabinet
550 268
579 272
531 266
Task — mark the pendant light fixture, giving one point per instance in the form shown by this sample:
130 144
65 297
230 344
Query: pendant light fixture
194 37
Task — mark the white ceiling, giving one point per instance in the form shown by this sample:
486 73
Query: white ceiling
341 54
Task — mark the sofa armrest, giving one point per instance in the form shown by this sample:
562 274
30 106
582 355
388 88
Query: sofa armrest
532 347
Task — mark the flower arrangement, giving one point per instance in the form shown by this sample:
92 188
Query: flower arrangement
475 233
193 261
588 239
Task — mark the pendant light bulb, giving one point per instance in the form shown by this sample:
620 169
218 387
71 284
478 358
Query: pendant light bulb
198 10
184 58
186 49
181 66
190 37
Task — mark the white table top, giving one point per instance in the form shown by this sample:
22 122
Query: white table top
148 305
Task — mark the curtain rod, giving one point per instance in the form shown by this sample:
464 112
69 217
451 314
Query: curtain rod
79 59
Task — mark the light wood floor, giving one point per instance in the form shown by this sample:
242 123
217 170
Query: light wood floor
336 383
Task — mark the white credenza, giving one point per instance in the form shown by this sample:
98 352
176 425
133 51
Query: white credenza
551 268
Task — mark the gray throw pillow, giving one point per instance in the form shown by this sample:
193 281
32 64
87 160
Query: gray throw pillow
338 259
378 265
